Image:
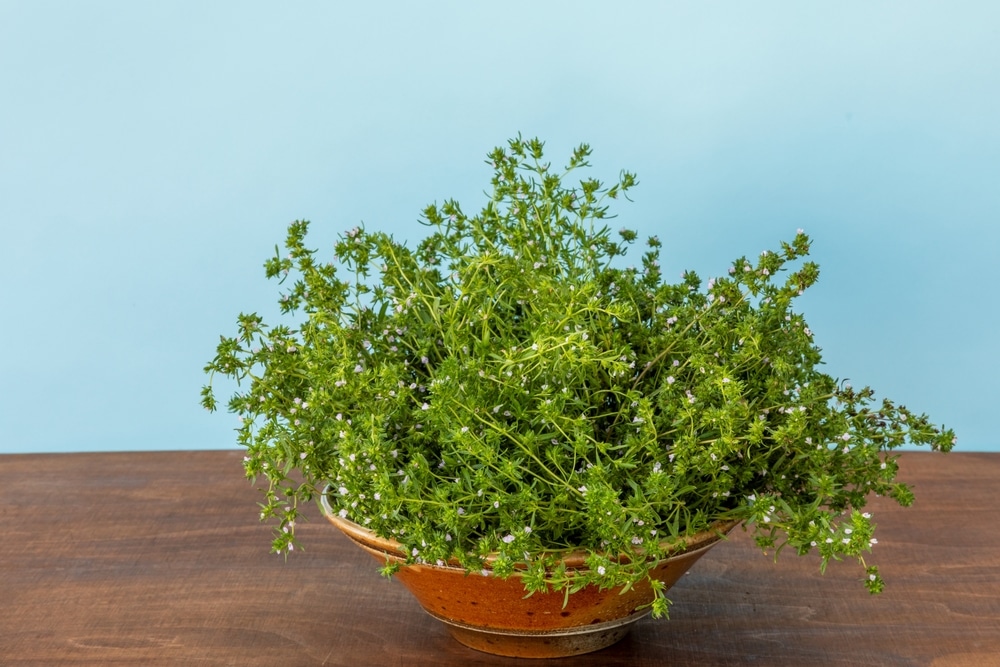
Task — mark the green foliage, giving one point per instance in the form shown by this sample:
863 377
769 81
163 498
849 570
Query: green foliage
504 388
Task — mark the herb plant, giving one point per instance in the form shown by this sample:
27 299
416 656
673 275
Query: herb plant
506 389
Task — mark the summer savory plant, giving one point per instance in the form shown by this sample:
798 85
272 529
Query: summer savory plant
506 389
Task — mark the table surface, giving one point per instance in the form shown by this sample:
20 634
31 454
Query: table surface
158 558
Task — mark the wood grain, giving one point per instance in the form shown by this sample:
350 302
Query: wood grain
157 558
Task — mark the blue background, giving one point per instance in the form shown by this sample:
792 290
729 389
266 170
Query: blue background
152 154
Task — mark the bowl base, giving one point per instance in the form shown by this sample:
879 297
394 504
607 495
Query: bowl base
541 644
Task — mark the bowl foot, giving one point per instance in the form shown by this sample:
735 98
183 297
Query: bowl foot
542 644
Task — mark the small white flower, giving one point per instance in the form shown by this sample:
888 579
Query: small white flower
508 538
601 570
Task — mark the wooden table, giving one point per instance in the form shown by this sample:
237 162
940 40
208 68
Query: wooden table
158 559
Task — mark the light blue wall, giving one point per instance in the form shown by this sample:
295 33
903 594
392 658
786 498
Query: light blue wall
151 155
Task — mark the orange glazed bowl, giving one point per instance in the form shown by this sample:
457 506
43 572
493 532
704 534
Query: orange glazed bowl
492 614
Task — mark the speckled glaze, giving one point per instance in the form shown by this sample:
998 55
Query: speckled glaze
491 614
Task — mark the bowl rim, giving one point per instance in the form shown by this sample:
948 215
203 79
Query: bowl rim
574 558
